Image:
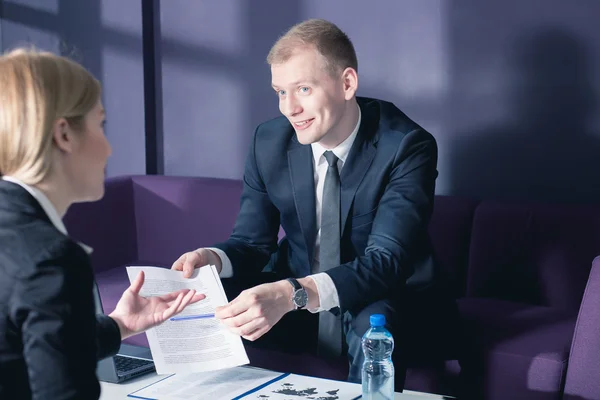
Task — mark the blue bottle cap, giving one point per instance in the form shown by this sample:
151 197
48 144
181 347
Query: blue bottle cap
377 320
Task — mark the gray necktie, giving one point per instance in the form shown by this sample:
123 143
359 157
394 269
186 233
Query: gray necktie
330 325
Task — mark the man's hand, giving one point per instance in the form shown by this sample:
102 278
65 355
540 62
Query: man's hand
255 311
135 314
196 259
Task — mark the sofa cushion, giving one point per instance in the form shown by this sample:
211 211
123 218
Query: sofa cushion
535 254
582 380
107 225
516 349
450 231
111 284
178 214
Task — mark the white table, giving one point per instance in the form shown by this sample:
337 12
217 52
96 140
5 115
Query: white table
112 391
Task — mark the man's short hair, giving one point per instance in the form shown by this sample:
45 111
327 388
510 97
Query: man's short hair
329 40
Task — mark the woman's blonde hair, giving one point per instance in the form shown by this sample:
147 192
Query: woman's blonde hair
36 89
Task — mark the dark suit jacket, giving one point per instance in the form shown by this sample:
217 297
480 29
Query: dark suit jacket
387 192
50 337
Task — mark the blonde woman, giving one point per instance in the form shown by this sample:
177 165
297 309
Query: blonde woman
53 153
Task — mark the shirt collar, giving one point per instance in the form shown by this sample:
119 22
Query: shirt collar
341 150
47 207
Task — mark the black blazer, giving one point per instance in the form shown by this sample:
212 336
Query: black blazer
387 193
50 337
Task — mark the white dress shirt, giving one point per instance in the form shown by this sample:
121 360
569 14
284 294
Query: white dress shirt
328 295
48 208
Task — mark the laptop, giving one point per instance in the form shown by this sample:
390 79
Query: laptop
130 361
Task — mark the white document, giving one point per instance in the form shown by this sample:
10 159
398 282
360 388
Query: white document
195 341
216 385
305 387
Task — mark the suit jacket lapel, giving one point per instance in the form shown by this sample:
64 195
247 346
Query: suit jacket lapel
359 159
300 160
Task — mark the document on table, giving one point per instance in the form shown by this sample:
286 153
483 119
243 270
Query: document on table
292 386
247 383
215 385
192 341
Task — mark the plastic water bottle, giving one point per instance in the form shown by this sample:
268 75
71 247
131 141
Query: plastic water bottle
378 368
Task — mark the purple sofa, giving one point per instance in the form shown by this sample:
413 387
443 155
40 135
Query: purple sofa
518 271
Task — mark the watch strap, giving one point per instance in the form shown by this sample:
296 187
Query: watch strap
297 288
295 284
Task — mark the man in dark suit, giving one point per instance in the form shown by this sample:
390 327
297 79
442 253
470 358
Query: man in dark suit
351 181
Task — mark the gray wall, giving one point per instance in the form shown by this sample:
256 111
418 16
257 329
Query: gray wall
106 37
509 89
523 118
216 84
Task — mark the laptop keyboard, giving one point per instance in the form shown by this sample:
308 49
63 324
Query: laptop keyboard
126 364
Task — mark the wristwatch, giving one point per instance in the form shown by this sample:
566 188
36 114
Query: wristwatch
299 296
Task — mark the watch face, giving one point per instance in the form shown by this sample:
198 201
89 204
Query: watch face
300 298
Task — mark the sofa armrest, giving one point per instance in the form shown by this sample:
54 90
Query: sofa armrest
107 225
583 376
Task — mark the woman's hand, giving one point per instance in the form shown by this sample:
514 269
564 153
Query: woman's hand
135 314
